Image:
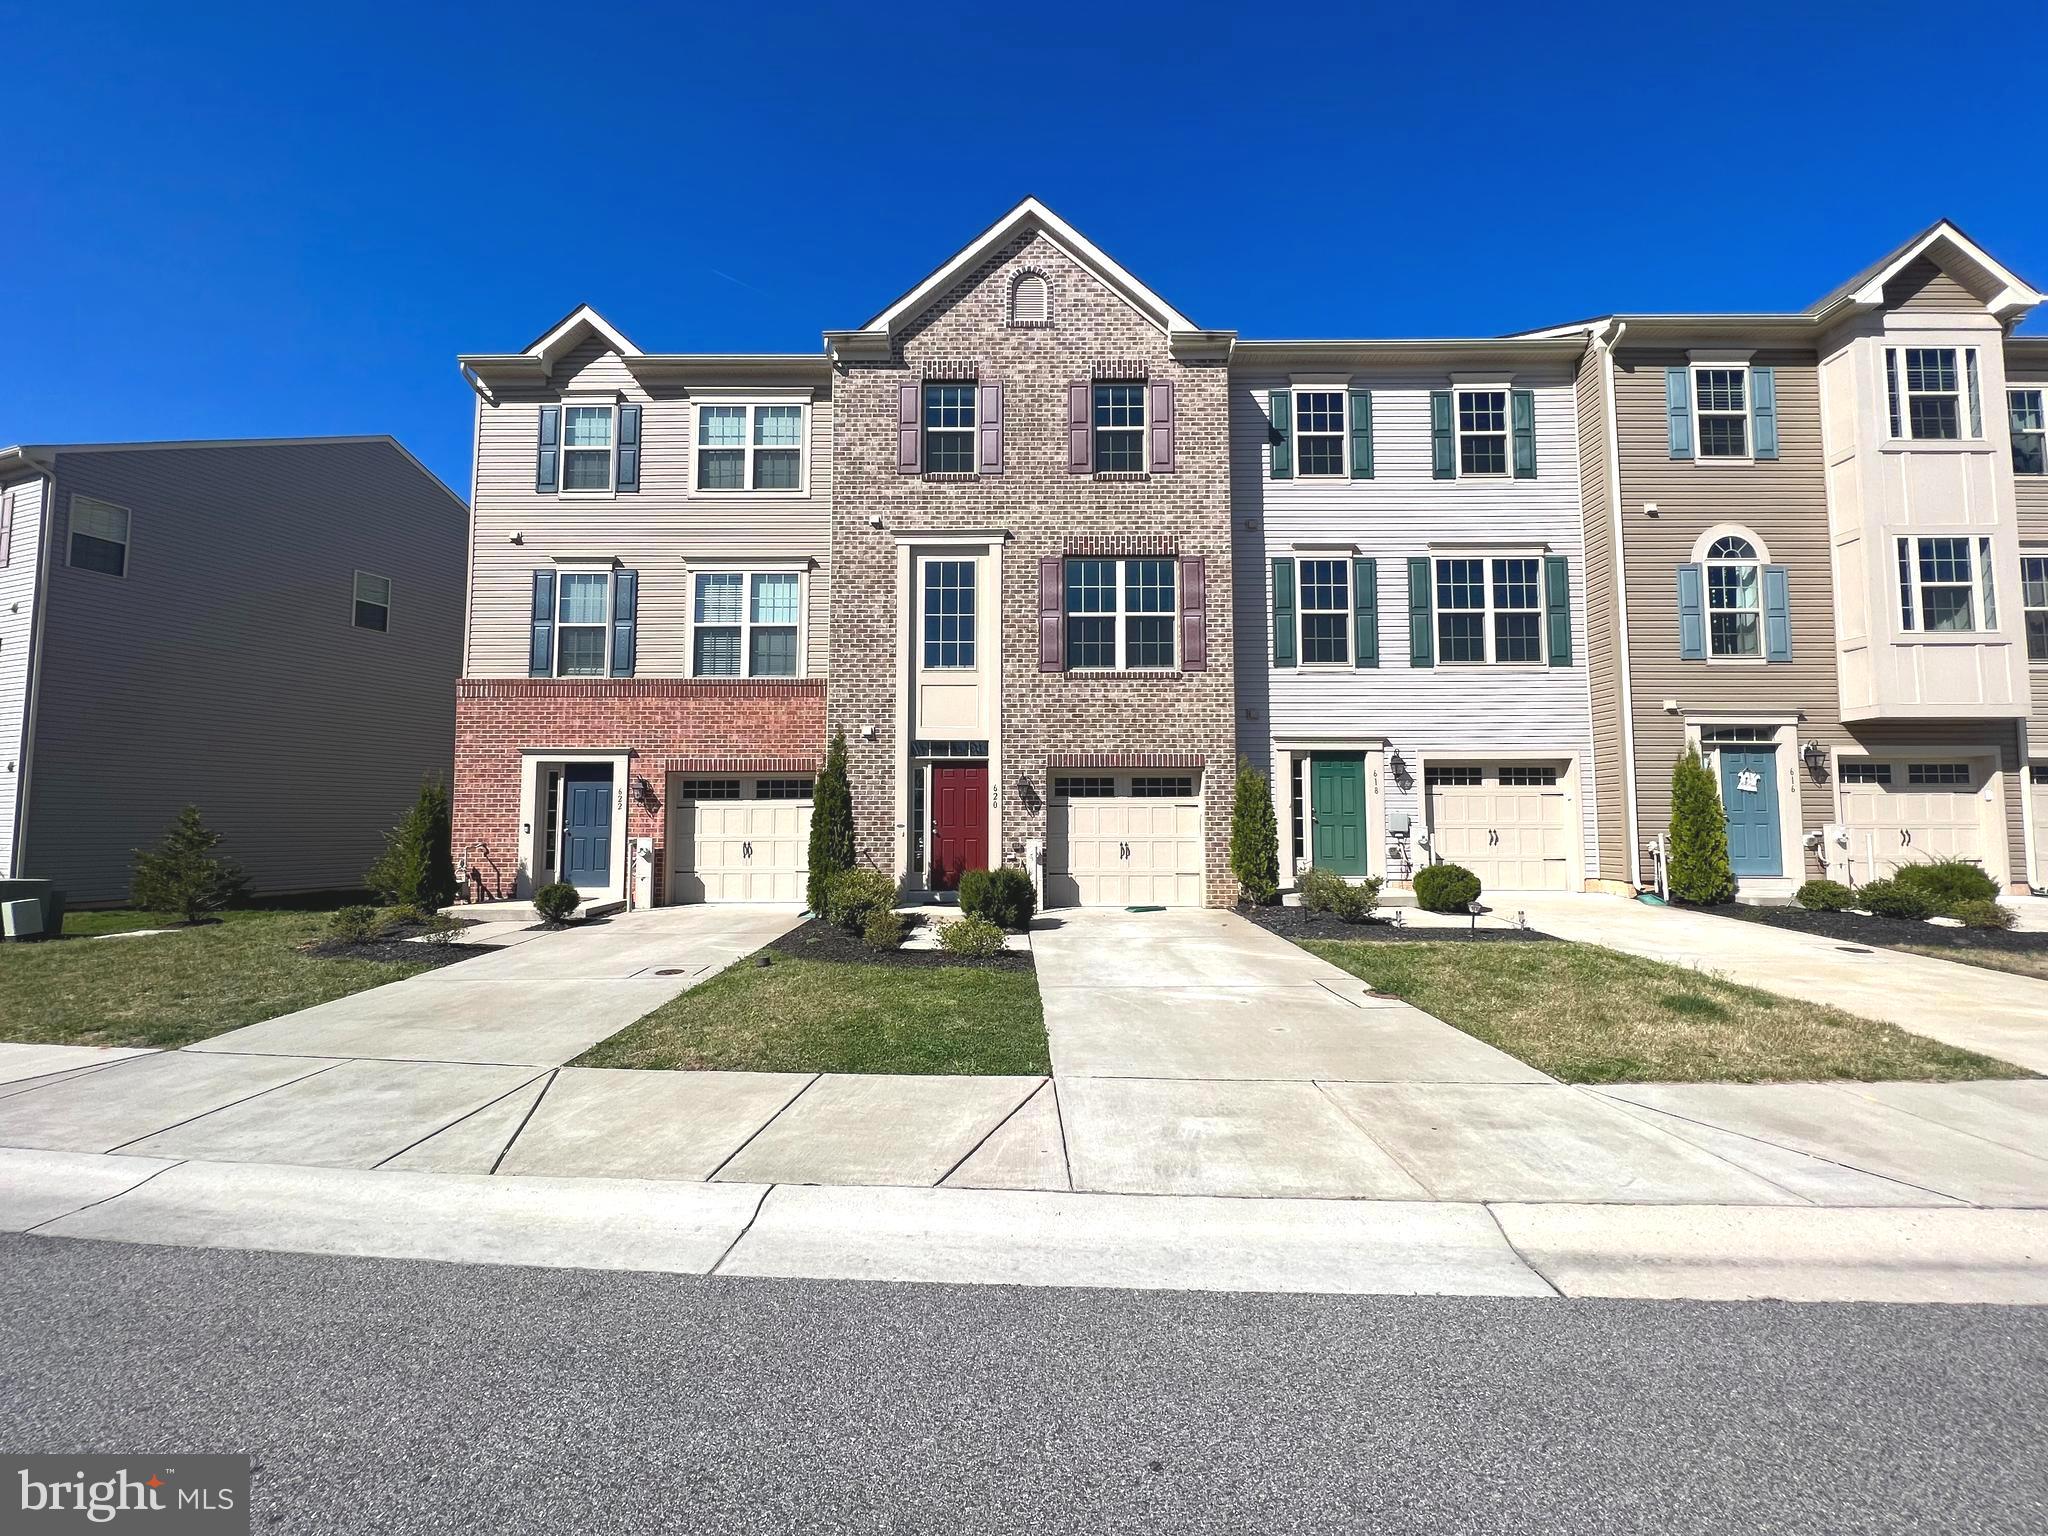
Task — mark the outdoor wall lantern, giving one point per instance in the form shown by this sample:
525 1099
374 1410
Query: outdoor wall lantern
1815 756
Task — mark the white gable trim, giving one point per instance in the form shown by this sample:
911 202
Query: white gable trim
2014 293
581 320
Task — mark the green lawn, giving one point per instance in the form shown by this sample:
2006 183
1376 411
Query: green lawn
1591 1015
798 1015
169 989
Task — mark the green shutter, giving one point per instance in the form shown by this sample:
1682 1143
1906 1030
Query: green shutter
1557 587
1361 434
1421 624
1365 612
1443 451
1282 434
1522 417
1283 613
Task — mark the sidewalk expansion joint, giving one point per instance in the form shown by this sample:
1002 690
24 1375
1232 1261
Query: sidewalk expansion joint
244 1099
103 1199
527 1118
469 1114
787 1104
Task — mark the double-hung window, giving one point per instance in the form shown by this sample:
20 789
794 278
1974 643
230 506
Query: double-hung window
372 601
1325 613
949 422
1734 598
2029 431
99 536
750 447
949 615
583 613
1928 390
744 623
1121 615
1722 397
1489 609
1945 585
2034 600
1319 433
1482 432
589 443
1119 428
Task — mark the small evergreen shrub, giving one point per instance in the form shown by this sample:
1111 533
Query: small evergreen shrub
1357 903
1983 914
1825 896
1947 883
417 868
854 895
1889 898
183 874
975 936
1254 838
440 930
885 930
973 891
831 828
1445 888
557 901
1699 872
355 925
1003 896
1320 890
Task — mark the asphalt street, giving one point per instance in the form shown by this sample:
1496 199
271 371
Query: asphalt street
400 1397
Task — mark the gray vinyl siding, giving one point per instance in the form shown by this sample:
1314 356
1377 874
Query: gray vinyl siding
1603 623
1399 513
655 531
17 632
224 670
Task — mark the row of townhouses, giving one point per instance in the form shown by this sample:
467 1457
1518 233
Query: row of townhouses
1056 559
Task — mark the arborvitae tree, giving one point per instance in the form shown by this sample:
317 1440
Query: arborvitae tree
1254 838
183 874
1699 870
417 868
831 824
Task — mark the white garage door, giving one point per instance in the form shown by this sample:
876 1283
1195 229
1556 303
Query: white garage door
739 839
1503 821
1124 840
1910 810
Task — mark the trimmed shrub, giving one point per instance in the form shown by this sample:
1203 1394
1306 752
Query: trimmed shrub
1947 883
557 901
183 874
885 930
1320 890
1825 896
1357 903
971 936
1983 914
1699 871
1003 896
1254 838
854 895
355 925
1445 888
831 828
1888 898
417 868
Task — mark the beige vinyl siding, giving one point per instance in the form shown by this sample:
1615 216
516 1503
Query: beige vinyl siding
1924 287
2031 494
17 634
1603 622
655 531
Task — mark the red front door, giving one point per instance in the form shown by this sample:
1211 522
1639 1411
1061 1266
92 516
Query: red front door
959 822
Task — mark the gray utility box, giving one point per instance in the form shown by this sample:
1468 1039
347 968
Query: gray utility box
48 921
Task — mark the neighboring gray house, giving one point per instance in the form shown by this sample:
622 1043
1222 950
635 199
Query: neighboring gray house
270 630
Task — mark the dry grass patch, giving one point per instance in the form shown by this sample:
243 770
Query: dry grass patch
1590 1015
2017 962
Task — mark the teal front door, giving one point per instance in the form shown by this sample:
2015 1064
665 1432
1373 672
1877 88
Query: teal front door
1336 803
1749 794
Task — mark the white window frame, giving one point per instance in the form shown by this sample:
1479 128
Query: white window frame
611 473
971 432
1348 611
610 573
1121 616
747 448
1142 390
1700 414
925 566
1898 378
356 597
1909 612
1489 610
1342 394
2033 553
1506 433
1704 558
126 541
2040 414
747 570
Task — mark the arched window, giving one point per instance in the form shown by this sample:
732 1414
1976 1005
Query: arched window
1734 597
1030 300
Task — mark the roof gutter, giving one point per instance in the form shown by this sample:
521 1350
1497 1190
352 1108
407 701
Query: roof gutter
1604 344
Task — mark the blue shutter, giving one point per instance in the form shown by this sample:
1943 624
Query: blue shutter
1678 410
1283 613
547 474
1443 459
629 448
625 609
1365 612
1692 615
1361 434
1557 608
1522 405
1282 433
1777 614
1421 621
540 654
1763 411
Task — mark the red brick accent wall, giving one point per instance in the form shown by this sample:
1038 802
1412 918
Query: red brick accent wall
654 719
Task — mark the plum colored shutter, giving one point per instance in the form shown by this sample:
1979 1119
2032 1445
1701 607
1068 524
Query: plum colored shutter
1522 417
1283 613
909 437
1443 458
990 431
547 474
1763 411
540 653
1080 457
625 608
1051 629
1361 434
1160 428
1777 614
1365 613
1692 620
1194 615
1421 623
1281 422
1678 411
629 448
1557 607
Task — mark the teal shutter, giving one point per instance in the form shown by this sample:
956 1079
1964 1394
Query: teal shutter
1282 434
629 448
540 652
1678 410
1522 417
1692 618
1365 612
1361 434
1283 613
1763 411
1443 451
1557 607
1777 614
625 609
1421 623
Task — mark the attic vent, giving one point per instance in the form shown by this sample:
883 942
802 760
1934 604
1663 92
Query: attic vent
1030 300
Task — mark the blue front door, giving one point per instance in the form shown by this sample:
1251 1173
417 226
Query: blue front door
587 825
1749 794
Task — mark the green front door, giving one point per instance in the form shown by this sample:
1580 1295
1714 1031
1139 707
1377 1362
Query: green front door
1336 808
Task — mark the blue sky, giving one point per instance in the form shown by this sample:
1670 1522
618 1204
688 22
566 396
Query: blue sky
230 221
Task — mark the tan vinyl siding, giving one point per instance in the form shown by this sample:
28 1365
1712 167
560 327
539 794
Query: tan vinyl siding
1923 286
655 531
1603 623
17 632
2031 494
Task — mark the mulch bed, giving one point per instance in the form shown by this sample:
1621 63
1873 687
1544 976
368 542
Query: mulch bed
817 940
1299 923
1879 932
391 946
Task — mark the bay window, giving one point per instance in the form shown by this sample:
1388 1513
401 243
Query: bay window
2034 602
2029 431
1927 390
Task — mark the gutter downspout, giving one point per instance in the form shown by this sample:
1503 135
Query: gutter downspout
476 437
35 670
1606 348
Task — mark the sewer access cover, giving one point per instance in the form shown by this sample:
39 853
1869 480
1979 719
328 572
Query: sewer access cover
670 970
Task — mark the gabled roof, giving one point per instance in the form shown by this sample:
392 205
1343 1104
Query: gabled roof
572 328
41 458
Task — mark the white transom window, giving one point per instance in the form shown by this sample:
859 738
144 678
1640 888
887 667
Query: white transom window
745 623
745 448
1945 585
1489 610
589 446
1734 598
1319 432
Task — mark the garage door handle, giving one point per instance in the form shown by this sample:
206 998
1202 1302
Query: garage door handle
1905 837
746 850
1124 850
